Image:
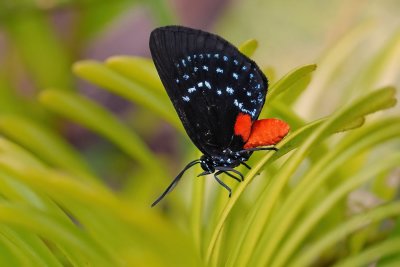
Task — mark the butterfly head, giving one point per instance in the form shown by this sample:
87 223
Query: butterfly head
228 158
207 164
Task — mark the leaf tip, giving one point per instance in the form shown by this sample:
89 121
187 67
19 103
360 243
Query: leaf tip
82 65
114 60
313 66
249 47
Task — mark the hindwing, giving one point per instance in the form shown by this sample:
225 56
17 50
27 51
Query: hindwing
209 83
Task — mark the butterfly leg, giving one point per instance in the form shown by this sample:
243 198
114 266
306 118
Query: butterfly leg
258 149
222 183
227 169
232 176
246 165
204 173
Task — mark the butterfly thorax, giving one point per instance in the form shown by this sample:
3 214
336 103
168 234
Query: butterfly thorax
227 158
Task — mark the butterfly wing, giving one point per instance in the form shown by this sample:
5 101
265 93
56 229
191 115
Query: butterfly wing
210 84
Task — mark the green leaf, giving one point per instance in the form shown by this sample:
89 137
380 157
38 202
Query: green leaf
310 220
87 113
66 233
99 74
9 100
308 255
379 65
30 246
290 80
197 209
139 230
290 96
370 255
44 143
379 99
31 34
94 117
334 60
249 47
15 151
140 70
10 254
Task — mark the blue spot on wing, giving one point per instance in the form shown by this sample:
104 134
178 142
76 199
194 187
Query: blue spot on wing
230 90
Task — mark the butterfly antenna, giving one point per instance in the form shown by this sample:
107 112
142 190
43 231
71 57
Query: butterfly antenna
175 181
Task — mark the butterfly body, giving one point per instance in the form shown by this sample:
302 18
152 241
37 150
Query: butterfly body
218 94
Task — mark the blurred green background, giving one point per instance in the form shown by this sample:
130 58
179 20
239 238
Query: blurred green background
39 41
89 138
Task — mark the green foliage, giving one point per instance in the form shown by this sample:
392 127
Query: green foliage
294 208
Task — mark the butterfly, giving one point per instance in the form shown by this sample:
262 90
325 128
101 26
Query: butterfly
218 94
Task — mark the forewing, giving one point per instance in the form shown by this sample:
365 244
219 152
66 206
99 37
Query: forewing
209 83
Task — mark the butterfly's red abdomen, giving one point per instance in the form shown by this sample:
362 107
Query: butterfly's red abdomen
267 132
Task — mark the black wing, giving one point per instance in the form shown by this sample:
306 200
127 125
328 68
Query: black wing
209 82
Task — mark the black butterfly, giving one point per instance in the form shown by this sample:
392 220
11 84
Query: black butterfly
218 94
